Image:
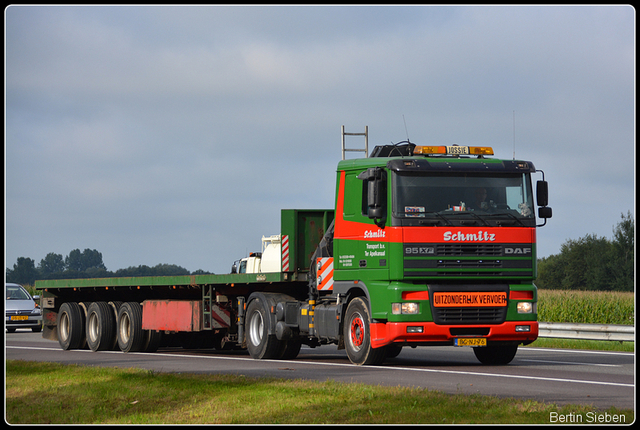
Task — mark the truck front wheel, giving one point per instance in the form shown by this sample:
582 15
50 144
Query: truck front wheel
357 334
259 342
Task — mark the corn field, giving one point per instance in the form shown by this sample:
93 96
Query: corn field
586 307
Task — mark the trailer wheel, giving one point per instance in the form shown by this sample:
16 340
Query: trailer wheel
495 355
101 327
358 336
131 337
70 324
259 342
152 340
115 307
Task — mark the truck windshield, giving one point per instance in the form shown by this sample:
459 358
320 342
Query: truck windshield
462 199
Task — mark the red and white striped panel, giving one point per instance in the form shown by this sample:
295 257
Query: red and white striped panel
220 318
325 274
285 253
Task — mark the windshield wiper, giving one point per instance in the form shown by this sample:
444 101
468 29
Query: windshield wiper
510 215
439 215
420 217
474 215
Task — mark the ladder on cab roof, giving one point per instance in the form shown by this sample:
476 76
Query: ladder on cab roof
366 142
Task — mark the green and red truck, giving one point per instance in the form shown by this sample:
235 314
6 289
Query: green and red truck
426 245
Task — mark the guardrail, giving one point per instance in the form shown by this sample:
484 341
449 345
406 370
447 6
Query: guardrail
620 333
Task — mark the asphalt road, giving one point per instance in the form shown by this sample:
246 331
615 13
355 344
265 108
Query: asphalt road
599 379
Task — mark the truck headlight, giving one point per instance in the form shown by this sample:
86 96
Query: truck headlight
404 308
524 307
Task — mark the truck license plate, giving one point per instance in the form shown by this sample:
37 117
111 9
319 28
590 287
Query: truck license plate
19 318
470 341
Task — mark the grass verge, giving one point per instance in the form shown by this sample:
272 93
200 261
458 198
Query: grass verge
594 345
51 393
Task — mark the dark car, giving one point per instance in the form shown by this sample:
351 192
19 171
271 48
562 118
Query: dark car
22 310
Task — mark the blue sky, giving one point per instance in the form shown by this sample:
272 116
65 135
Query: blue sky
176 134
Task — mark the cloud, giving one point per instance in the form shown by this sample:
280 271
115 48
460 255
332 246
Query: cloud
176 134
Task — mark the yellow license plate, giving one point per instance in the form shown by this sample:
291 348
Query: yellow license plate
470 341
19 318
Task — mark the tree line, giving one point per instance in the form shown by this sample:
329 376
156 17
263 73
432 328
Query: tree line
588 263
592 262
83 264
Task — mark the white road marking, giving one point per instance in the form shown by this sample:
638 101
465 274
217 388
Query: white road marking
406 369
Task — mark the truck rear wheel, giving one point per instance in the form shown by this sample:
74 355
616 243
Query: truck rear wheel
357 334
259 342
131 337
495 355
70 324
101 327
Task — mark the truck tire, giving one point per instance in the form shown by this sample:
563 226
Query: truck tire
70 324
101 327
131 337
495 355
392 351
357 335
260 344
291 349
152 340
115 307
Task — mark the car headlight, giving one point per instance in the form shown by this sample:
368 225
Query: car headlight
404 308
36 311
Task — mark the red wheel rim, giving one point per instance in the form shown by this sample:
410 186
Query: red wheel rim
357 331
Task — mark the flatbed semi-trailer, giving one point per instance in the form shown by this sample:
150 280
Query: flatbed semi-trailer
427 245
179 306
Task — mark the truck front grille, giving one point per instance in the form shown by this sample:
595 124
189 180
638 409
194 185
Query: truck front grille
467 260
459 249
469 315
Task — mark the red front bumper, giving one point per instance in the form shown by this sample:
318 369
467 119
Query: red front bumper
385 333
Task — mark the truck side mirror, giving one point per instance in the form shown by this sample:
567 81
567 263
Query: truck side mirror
542 198
376 183
542 193
544 212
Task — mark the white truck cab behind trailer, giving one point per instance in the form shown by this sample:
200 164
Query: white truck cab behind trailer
267 261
